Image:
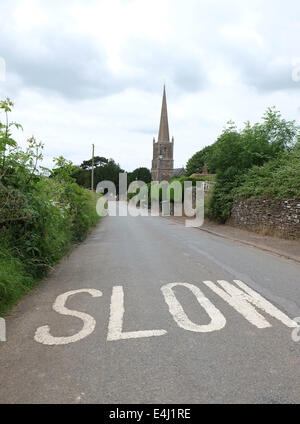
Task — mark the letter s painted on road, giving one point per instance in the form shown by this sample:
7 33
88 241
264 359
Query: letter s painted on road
42 334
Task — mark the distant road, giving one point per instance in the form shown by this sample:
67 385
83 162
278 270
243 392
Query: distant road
121 332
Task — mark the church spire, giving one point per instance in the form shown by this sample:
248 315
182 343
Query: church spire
163 134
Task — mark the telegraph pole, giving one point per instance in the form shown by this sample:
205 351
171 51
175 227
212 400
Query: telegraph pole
93 165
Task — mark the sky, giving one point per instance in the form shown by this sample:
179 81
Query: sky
83 72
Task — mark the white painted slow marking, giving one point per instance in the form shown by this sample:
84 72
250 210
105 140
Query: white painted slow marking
2 330
242 301
296 331
218 321
241 297
115 325
42 334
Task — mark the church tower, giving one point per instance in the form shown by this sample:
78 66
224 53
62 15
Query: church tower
163 163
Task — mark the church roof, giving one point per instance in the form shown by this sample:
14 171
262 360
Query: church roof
163 135
179 172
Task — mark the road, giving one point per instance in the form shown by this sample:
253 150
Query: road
144 341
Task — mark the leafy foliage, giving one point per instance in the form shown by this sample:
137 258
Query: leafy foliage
279 178
106 172
98 161
140 174
198 160
40 217
235 152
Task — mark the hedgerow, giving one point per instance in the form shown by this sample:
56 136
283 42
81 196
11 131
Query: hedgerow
254 161
279 179
42 213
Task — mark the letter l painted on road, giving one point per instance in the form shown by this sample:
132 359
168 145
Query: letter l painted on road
115 326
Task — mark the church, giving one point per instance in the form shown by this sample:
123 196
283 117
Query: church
163 149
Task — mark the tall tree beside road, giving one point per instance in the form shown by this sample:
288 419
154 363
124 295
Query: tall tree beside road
198 160
236 151
140 174
105 170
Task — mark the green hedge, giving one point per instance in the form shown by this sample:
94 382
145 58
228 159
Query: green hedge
57 216
251 162
279 178
42 212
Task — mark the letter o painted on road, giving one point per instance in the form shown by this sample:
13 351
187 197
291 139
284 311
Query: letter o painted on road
218 321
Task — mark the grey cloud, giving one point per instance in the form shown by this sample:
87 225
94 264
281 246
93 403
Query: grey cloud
76 68
265 64
157 62
71 66
264 71
270 76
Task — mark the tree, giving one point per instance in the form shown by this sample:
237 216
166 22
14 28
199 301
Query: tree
64 170
198 160
98 161
140 174
235 152
106 171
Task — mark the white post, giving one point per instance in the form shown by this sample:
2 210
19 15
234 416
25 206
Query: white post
93 154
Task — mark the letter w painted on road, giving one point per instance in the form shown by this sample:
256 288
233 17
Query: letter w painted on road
244 302
217 322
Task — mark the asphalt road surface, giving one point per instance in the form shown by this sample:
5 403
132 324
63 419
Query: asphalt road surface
110 325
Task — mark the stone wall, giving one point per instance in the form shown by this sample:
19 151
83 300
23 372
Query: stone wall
279 216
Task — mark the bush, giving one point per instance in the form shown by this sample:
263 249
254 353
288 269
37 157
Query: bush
40 216
279 178
14 279
198 160
236 152
103 172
